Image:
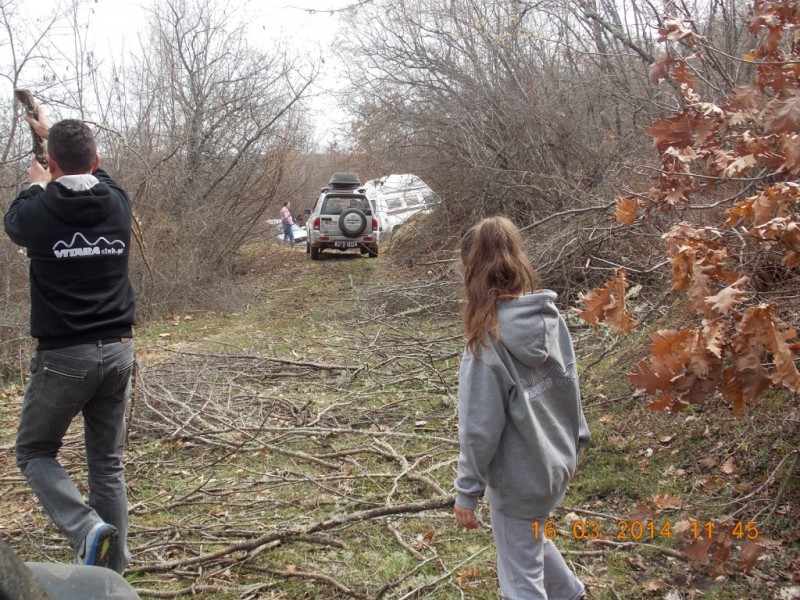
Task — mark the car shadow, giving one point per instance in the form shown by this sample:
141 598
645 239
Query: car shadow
341 256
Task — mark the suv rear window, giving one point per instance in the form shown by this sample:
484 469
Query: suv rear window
334 205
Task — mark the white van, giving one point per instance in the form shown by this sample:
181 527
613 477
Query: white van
395 198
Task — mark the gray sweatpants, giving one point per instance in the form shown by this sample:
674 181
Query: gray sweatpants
529 567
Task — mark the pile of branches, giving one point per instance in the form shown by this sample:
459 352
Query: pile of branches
282 454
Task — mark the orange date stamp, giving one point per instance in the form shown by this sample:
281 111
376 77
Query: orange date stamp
644 530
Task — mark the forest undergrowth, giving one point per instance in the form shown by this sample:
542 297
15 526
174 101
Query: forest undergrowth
305 447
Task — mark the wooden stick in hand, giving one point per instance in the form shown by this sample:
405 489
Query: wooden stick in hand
25 97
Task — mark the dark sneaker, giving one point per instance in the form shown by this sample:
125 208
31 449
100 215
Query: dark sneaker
99 547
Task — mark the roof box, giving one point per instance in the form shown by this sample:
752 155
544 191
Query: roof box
344 181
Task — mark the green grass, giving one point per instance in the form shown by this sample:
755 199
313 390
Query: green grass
232 438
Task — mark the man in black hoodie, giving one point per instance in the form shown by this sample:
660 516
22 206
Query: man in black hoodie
75 223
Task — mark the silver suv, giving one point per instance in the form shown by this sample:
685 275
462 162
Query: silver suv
342 219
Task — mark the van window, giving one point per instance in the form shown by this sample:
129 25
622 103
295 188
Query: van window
413 199
394 203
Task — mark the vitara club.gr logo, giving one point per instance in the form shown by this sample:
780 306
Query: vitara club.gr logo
80 246
554 376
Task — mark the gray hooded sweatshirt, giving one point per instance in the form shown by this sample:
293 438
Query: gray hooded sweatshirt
521 424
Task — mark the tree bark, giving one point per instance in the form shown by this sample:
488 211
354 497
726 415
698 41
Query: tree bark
25 97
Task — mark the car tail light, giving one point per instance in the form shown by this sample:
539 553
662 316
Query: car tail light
374 224
315 224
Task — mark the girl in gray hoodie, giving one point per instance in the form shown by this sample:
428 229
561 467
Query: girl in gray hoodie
521 424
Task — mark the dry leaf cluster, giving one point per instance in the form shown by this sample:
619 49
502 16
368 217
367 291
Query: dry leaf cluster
748 147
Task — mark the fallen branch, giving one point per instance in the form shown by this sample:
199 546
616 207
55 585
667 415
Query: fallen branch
314 577
25 97
662 549
256 357
295 535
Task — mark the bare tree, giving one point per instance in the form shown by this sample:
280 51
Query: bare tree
199 125
531 108
29 51
214 123
495 87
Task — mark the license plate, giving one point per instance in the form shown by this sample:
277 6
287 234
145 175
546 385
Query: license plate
345 244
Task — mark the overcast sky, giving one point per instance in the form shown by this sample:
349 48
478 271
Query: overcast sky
303 22
308 26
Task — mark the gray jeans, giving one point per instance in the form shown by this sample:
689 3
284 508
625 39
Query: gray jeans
530 567
94 380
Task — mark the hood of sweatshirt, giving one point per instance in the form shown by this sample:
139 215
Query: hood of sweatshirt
527 327
76 204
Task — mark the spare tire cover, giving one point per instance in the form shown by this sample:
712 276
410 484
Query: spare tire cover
352 222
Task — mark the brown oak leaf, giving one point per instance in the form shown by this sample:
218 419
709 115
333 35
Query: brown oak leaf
645 378
667 502
741 388
667 402
653 585
746 96
673 131
714 337
738 165
741 211
608 304
677 30
626 210
659 70
782 114
466 575
617 314
760 324
748 555
594 301
784 232
697 551
790 146
728 298
729 466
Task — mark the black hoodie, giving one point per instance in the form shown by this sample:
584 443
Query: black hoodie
78 242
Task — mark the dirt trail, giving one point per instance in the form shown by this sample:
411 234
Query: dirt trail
268 446
305 448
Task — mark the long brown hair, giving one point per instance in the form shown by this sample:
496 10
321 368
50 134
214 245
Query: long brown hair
496 268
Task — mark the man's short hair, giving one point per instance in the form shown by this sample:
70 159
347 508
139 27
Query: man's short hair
71 144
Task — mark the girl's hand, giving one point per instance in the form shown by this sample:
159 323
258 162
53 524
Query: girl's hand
465 517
